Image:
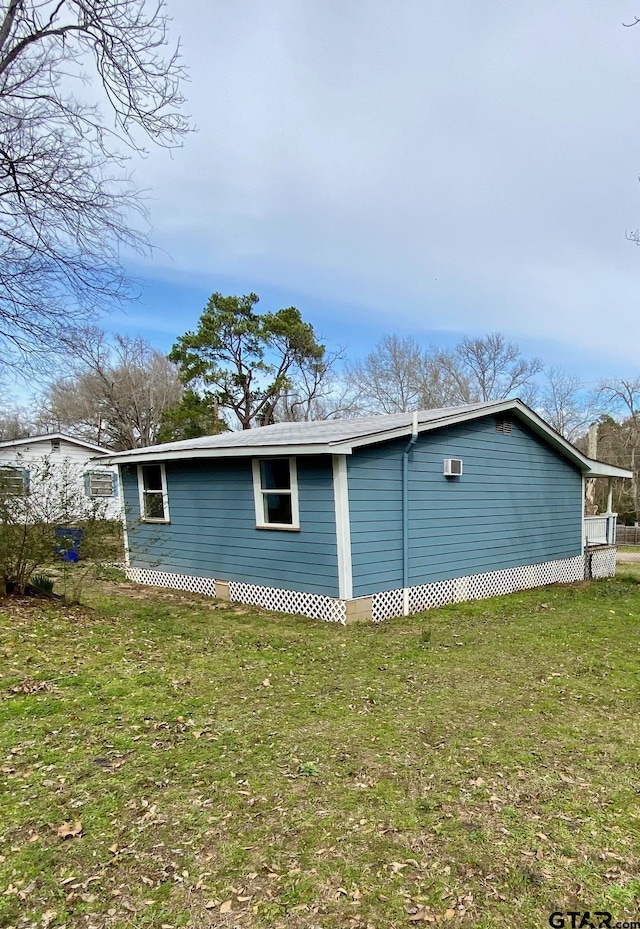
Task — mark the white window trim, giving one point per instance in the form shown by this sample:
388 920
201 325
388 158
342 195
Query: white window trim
259 492
165 495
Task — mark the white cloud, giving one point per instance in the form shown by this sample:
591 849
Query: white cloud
458 166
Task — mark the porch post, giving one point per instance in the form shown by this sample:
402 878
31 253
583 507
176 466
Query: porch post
610 516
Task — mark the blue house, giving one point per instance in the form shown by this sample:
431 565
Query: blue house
367 518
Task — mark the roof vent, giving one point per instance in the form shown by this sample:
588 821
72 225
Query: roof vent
503 425
55 445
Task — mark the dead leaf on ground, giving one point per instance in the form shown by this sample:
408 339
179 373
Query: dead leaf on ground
70 830
422 915
225 907
29 686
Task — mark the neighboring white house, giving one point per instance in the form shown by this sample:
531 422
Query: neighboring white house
65 456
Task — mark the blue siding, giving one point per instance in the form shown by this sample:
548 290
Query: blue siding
212 530
518 502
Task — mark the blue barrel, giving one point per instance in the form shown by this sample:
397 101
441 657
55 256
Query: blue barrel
68 545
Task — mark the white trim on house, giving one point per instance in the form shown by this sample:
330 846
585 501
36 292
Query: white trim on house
343 526
165 496
123 515
260 492
584 512
155 453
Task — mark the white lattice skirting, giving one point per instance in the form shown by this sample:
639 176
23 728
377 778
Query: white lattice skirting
389 603
290 601
197 585
273 598
602 562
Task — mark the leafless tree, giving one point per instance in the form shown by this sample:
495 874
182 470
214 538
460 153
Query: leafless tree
67 204
118 393
319 392
391 377
622 398
489 368
15 423
566 405
400 375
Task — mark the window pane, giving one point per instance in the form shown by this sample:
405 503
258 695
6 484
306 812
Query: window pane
11 481
152 475
153 505
274 474
277 509
100 485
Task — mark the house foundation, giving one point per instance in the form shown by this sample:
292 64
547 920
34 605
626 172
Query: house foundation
596 563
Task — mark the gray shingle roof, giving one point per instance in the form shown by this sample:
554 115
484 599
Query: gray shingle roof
318 432
341 436
323 432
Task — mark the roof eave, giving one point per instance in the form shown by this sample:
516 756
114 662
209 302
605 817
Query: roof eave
250 451
602 469
71 440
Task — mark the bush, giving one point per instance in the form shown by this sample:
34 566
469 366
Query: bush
43 519
43 583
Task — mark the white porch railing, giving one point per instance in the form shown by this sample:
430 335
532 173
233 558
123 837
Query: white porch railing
600 530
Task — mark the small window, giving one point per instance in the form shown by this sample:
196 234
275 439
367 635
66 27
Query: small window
152 486
275 489
100 484
13 481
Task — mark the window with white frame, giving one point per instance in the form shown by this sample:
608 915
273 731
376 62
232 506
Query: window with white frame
100 484
275 487
152 486
13 481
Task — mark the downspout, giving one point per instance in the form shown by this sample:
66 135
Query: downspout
405 515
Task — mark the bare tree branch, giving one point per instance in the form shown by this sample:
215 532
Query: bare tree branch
117 394
68 207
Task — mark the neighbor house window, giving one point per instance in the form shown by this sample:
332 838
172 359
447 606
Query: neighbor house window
152 486
14 481
100 484
275 487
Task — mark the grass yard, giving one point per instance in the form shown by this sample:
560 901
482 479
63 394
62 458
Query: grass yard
168 763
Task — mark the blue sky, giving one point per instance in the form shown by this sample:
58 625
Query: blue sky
425 168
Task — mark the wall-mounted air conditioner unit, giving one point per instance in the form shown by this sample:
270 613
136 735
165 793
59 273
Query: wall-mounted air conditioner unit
452 467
